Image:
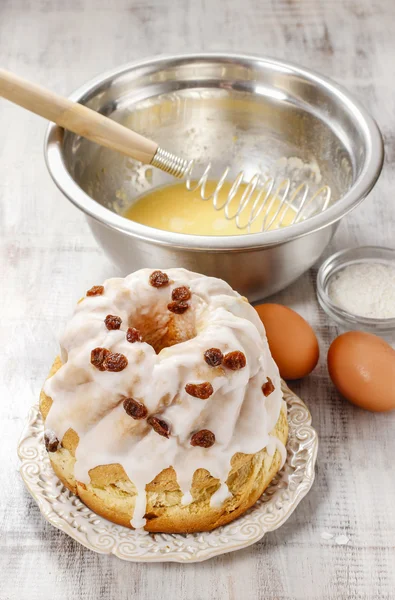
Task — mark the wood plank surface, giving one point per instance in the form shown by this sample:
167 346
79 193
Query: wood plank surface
48 256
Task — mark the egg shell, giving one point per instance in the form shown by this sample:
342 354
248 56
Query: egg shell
292 341
362 367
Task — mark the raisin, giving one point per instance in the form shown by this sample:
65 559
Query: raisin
159 425
235 360
181 293
135 409
203 438
200 390
158 279
97 358
150 516
50 440
115 362
213 357
178 307
113 322
96 290
268 387
133 335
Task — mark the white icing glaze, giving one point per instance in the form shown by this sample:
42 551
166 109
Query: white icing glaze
219 496
90 401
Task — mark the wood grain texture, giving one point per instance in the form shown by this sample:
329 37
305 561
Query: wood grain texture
48 256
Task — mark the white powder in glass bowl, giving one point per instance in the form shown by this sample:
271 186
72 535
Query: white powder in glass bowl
365 289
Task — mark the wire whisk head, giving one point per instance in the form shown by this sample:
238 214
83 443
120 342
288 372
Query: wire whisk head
273 201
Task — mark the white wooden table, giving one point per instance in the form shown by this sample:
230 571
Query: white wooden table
48 256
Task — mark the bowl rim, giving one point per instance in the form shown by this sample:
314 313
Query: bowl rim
363 185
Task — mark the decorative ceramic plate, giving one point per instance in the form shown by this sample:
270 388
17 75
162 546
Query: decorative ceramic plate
65 511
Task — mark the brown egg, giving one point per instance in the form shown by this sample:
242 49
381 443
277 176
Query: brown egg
292 341
362 367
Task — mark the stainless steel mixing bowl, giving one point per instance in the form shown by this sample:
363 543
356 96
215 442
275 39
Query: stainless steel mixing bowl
252 113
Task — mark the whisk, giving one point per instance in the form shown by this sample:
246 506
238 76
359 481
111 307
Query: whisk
273 199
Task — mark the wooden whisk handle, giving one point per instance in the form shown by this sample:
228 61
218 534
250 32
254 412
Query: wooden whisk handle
75 117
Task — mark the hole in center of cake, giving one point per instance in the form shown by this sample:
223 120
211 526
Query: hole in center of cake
165 329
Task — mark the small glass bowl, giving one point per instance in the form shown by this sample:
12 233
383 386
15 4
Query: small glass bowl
337 262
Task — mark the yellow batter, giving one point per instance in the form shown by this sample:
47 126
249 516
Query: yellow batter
174 208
